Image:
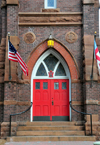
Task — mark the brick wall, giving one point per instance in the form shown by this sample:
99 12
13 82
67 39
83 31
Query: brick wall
96 17
2 65
58 33
92 95
0 22
22 92
12 20
88 19
36 6
15 93
1 100
90 24
4 22
1 92
77 96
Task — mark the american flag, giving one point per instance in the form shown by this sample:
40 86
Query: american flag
15 56
97 55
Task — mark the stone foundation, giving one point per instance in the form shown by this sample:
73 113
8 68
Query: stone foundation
5 128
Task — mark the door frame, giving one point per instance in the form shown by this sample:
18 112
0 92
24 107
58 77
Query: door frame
33 76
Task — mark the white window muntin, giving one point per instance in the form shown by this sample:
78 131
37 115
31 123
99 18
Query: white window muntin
46 2
60 61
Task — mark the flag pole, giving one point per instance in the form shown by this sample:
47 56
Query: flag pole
91 77
9 60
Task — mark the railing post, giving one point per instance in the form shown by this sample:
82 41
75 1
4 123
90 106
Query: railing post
17 114
10 127
91 123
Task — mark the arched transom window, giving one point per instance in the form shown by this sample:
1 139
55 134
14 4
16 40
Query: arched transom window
51 65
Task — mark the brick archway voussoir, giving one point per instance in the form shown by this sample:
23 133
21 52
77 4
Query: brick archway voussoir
65 53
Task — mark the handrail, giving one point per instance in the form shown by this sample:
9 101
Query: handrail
84 114
17 114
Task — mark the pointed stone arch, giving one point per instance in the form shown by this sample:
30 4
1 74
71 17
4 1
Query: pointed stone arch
59 47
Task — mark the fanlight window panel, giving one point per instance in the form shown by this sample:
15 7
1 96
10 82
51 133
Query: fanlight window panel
50 4
50 63
41 71
60 71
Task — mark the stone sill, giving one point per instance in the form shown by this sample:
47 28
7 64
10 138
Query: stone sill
51 10
50 24
87 2
47 13
12 2
92 102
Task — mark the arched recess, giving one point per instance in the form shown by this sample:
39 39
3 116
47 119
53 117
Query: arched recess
59 48
60 72
63 51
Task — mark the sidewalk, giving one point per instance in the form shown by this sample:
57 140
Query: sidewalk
52 143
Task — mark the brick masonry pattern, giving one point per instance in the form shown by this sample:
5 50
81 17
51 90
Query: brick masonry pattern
21 92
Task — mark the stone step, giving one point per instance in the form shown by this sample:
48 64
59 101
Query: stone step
48 128
50 123
50 133
50 138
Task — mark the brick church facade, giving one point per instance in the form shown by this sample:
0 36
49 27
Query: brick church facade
57 74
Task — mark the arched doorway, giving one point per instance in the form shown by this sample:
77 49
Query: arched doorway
50 88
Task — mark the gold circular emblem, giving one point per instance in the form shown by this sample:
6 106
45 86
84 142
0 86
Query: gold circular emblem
71 37
29 37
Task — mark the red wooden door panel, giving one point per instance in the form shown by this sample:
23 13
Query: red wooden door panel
41 99
51 100
60 99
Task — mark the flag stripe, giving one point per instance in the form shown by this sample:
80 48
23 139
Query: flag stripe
12 55
13 60
21 65
96 50
97 55
15 56
20 59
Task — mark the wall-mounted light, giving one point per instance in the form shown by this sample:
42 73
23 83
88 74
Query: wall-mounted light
50 42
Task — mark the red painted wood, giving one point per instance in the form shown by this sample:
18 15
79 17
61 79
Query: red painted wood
60 97
42 99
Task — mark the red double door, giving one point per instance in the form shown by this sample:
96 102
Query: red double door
51 100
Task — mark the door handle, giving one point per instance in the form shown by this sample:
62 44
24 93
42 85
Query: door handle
52 103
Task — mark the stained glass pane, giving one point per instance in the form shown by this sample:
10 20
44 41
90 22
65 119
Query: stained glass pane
45 85
51 61
60 71
56 86
37 85
50 3
41 71
64 85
